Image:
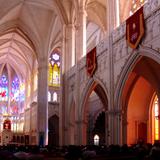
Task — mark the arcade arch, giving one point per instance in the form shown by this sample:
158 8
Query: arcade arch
137 96
94 102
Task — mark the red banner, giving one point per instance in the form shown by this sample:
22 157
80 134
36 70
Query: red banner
135 28
91 62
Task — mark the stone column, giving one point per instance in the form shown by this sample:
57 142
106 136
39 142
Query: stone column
42 102
68 60
81 34
118 122
82 132
124 127
107 129
111 128
80 52
113 19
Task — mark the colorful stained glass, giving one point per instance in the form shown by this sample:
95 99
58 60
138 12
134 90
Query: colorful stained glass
54 70
4 110
156 122
3 88
15 90
22 92
14 109
16 98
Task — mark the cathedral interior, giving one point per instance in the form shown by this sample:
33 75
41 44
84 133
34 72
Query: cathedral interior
46 95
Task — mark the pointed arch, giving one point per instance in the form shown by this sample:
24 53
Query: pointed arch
94 84
131 62
127 85
98 86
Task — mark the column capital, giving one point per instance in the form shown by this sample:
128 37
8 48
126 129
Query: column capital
82 11
70 25
42 64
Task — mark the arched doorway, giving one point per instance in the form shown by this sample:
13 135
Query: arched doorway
140 86
94 104
53 133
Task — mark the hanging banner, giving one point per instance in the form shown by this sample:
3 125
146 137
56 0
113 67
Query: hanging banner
91 62
135 28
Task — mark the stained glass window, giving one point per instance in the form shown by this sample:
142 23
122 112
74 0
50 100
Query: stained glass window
136 4
15 90
4 110
156 119
3 88
54 70
22 92
12 96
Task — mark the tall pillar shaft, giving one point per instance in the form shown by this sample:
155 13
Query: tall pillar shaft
42 99
68 58
70 45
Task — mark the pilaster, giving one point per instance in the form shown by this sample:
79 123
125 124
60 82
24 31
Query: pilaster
81 34
69 46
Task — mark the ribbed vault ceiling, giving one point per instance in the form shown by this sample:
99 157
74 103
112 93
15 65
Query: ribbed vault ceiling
42 21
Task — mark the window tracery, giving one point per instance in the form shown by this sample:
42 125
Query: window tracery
156 118
12 98
54 69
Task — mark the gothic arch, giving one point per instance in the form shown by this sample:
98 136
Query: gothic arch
142 51
98 87
93 84
136 57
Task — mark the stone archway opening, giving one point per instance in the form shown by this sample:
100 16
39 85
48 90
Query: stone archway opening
94 119
53 132
137 101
